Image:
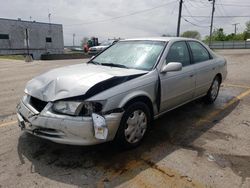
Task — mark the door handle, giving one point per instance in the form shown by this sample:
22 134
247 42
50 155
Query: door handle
213 68
191 75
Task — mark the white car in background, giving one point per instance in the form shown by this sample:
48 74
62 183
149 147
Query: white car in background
97 49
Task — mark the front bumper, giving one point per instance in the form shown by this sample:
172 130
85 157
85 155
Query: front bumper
64 129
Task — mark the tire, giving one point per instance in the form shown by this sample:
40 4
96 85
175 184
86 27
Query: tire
213 91
134 125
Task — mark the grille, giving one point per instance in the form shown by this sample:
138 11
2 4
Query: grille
48 132
37 103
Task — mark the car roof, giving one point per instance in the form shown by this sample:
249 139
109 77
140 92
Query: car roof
165 39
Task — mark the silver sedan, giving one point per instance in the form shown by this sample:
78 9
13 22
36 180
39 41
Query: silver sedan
117 94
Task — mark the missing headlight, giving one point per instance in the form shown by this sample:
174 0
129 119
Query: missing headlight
90 107
77 108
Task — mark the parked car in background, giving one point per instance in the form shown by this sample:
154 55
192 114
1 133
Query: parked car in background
117 94
97 49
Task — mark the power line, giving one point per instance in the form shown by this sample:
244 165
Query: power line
233 5
224 4
244 16
223 10
122 16
194 23
196 5
201 2
190 13
220 12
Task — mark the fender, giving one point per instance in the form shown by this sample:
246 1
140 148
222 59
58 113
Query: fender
130 96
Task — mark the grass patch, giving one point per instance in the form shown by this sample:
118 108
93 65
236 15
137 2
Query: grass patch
12 57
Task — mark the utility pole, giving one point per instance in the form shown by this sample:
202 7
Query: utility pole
235 27
74 39
28 57
27 41
212 20
179 18
49 16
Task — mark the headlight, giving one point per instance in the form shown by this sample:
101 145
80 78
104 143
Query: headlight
67 107
77 108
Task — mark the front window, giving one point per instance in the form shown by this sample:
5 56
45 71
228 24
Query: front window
178 52
131 54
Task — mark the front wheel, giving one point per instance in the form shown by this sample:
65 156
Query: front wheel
134 125
213 91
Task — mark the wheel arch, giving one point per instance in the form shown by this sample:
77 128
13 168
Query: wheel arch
139 97
219 75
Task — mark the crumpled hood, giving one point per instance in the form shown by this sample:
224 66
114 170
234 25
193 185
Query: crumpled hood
73 80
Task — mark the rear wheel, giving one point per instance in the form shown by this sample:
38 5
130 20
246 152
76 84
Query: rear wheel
213 91
134 125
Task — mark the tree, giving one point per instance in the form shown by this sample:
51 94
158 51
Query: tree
219 35
248 26
247 30
232 36
191 34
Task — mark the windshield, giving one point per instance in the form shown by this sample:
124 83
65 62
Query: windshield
131 54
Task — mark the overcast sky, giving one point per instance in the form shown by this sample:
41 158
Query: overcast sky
137 18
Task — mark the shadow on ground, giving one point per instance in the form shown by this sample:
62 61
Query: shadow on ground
90 166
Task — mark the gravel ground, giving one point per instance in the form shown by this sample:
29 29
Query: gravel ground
196 145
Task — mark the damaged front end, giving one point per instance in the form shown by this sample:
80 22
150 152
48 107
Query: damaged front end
58 105
58 123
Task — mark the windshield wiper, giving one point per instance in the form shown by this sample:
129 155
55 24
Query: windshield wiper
114 65
94 62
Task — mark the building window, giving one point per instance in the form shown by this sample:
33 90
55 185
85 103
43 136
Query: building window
48 39
4 36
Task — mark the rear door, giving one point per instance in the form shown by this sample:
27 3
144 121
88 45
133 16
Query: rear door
179 86
204 67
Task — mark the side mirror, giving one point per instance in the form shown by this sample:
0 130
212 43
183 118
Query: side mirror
172 66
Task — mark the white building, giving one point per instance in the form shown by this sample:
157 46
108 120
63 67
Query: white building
41 37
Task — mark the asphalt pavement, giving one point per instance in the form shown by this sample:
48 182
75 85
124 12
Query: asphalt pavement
196 145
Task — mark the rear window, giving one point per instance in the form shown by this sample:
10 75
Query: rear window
199 52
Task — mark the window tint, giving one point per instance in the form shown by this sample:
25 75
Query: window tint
199 52
4 36
178 52
48 39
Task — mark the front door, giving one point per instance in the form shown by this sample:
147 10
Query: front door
177 87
